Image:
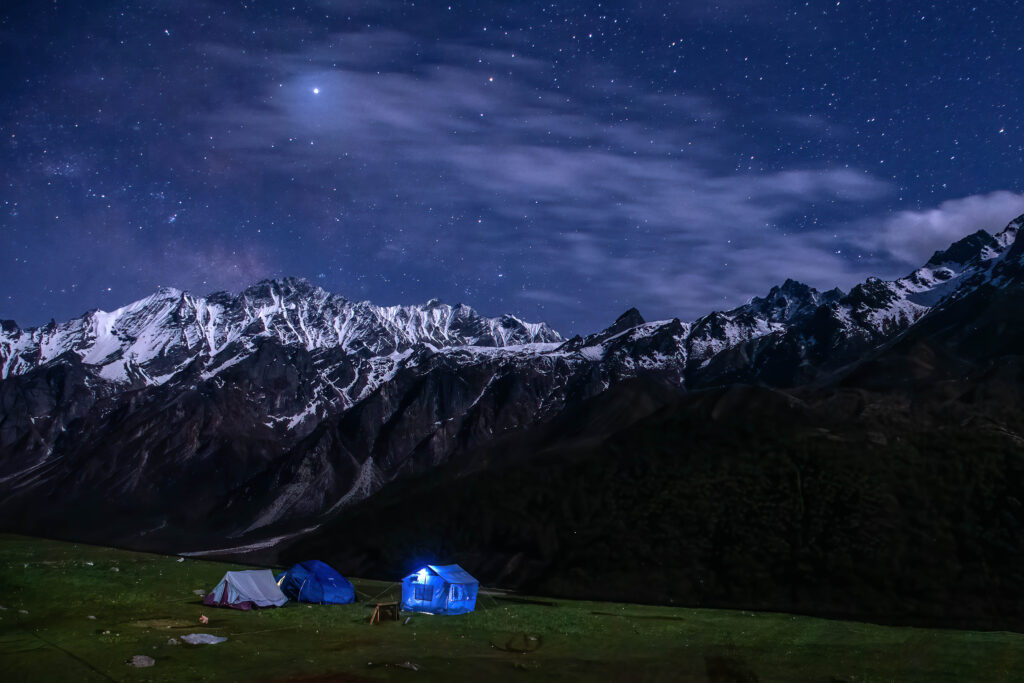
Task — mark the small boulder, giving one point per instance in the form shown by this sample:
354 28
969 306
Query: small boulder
141 661
202 639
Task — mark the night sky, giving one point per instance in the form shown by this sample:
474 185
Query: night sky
562 161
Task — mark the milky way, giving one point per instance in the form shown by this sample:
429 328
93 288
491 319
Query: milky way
560 161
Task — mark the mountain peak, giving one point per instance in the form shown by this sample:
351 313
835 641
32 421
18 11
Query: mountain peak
1008 237
966 250
159 332
791 286
164 294
282 285
632 318
784 302
626 321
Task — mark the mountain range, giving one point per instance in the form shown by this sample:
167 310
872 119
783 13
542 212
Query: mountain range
852 453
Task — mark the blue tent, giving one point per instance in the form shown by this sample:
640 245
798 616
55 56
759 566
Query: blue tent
440 590
314 581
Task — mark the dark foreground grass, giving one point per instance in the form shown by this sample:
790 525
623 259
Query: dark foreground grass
50 592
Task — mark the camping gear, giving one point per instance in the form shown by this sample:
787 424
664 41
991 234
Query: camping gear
245 590
440 590
314 581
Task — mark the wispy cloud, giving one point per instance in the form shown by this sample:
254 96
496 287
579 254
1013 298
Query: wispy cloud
488 173
404 164
911 237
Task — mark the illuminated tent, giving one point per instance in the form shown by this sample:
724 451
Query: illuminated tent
314 581
440 590
245 590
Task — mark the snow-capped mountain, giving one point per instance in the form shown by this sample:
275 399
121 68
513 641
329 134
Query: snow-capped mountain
284 403
153 339
149 342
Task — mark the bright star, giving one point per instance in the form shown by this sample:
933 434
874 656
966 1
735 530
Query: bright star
316 91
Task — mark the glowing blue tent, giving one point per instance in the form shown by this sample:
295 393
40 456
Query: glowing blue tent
440 590
314 581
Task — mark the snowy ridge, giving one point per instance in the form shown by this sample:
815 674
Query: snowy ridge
152 339
314 402
357 347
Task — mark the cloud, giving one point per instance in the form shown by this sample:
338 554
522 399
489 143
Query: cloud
911 237
487 173
518 168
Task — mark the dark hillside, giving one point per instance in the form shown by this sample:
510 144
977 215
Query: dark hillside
894 494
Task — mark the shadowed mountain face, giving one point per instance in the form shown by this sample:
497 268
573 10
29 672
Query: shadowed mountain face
892 493
849 453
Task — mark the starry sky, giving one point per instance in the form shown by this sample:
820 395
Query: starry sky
562 161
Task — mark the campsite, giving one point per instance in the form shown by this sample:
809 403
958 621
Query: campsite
79 612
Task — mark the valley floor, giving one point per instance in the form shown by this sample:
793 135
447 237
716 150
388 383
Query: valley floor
79 612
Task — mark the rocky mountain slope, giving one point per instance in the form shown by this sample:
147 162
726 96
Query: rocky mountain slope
250 421
893 492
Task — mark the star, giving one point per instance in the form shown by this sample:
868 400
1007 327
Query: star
574 121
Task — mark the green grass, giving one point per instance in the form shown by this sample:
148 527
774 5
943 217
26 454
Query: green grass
49 589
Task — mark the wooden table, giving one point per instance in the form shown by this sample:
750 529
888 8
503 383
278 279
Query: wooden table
384 610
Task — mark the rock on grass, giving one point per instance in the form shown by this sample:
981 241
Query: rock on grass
141 661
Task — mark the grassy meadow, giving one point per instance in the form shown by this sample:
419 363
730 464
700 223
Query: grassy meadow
79 613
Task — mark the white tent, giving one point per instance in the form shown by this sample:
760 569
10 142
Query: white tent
245 590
